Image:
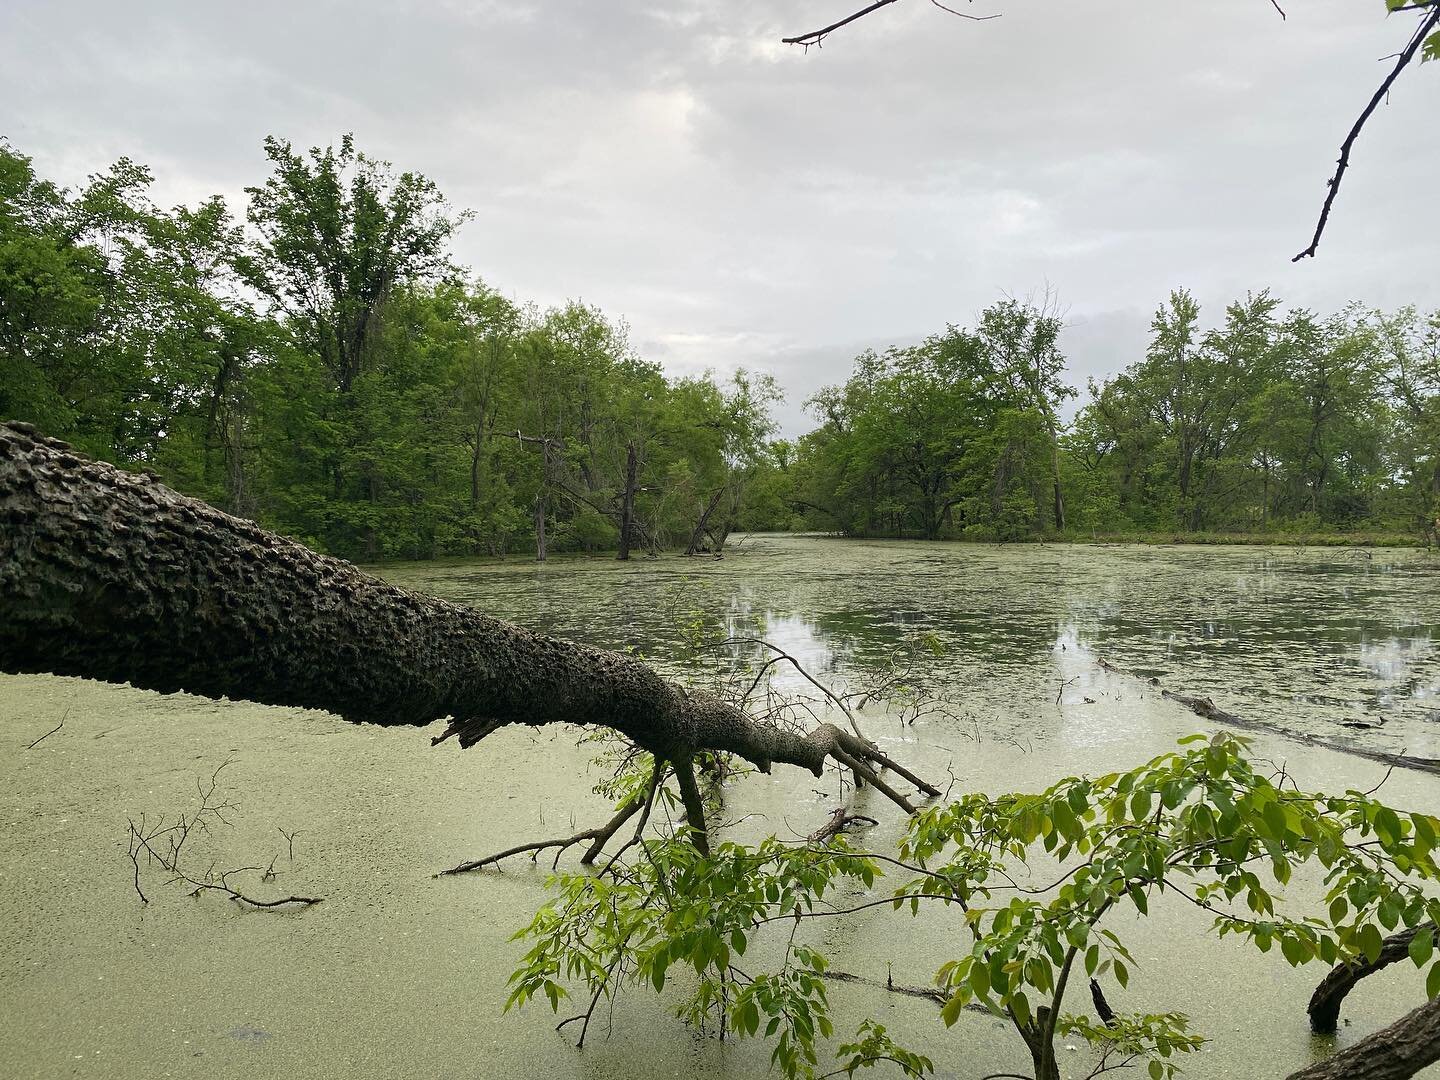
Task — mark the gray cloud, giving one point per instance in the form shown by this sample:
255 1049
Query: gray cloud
739 201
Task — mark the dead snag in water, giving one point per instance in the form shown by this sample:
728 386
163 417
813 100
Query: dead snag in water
1207 709
836 822
47 734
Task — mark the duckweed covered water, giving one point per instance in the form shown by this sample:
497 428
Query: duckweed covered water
398 974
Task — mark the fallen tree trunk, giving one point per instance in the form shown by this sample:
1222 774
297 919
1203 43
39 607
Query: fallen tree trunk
1393 1053
1324 1007
1207 709
111 575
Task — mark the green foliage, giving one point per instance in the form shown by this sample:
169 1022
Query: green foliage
1202 825
873 1046
326 369
674 910
955 435
1269 422
1036 877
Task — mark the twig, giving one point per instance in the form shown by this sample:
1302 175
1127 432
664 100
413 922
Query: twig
46 735
143 840
815 37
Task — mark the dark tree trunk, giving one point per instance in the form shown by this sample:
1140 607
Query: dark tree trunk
477 457
1393 1053
627 501
1324 1007
110 575
699 533
540 527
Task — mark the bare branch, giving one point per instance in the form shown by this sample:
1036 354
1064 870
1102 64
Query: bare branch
47 734
815 37
1406 55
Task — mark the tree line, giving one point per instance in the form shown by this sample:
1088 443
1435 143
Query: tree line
320 363
1270 420
326 368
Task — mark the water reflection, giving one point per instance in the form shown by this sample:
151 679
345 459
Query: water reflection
1314 641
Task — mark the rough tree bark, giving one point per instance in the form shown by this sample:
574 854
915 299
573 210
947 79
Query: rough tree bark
1393 1053
113 576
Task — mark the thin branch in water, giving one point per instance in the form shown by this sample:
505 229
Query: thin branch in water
165 842
52 731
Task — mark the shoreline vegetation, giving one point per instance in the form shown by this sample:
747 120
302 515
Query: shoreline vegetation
1362 544
323 366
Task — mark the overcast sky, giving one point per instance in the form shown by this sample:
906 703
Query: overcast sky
742 202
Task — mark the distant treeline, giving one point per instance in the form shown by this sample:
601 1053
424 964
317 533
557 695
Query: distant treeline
326 368
1271 421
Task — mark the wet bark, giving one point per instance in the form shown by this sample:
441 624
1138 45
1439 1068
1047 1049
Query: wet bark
110 575
1393 1053
1324 1007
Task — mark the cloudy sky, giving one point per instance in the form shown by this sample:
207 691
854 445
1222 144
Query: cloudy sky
743 202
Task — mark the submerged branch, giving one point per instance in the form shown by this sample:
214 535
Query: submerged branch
1206 708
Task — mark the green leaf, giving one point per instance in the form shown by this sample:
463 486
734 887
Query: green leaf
1422 946
1371 942
1293 950
980 979
1432 982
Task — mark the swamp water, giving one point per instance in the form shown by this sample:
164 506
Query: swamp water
398 974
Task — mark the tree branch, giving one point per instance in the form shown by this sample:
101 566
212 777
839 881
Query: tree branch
1406 55
815 37
1393 1053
